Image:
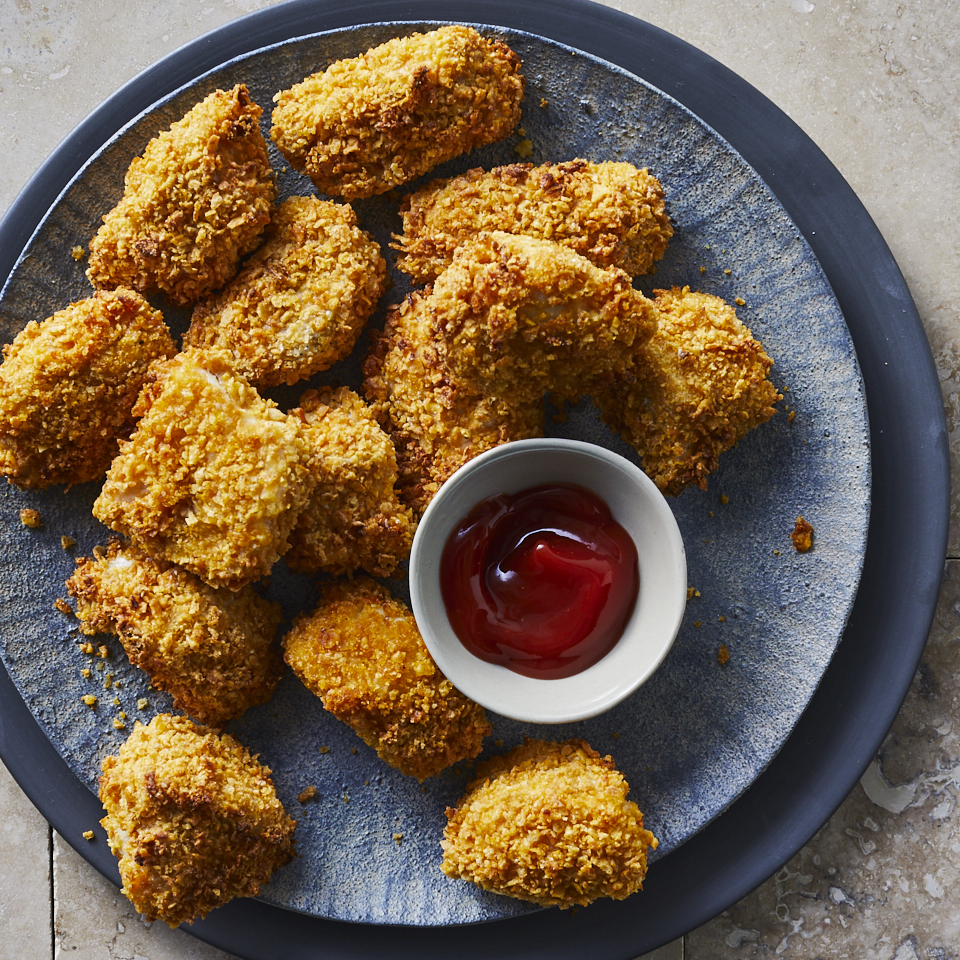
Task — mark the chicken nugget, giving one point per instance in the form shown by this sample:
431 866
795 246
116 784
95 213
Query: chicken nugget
211 649
193 819
514 317
701 385
371 123
213 478
548 823
611 213
300 302
360 651
194 203
354 519
436 424
68 386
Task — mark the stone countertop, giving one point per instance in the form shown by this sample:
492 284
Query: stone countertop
877 87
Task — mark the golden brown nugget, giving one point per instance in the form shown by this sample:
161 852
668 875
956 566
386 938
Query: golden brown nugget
194 203
701 385
611 213
548 823
436 424
68 386
211 649
515 317
371 123
193 819
213 478
354 519
361 653
300 302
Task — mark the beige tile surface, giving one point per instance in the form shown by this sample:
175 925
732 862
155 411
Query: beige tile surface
24 875
877 85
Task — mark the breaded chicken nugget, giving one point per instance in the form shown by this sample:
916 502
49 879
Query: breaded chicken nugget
368 124
548 823
611 213
300 302
68 386
213 478
354 518
193 819
211 649
464 365
193 204
514 317
701 384
360 651
436 425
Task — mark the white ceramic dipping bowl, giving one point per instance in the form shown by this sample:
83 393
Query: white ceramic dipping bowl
635 503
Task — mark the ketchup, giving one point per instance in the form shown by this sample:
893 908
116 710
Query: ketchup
542 581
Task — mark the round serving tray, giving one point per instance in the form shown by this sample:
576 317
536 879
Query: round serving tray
862 689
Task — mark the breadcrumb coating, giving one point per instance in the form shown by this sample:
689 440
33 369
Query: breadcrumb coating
611 213
701 385
194 203
514 316
68 386
436 424
464 365
300 302
360 651
211 649
371 123
549 823
354 519
213 478
193 819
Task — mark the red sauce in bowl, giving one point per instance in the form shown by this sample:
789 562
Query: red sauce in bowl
542 581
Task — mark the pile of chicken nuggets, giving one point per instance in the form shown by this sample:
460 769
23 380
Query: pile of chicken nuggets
526 277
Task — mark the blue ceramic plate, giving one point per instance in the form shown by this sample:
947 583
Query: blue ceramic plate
697 734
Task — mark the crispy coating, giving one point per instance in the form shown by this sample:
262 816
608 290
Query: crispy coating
464 365
514 316
354 519
360 651
300 302
611 213
211 649
376 121
548 823
193 819
436 424
214 476
68 386
701 384
194 203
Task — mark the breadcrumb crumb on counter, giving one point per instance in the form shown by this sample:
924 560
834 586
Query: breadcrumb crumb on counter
360 651
371 123
193 819
548 823
31 518
214 476
300 302
307 793
194 203
802 535
212 649
68 386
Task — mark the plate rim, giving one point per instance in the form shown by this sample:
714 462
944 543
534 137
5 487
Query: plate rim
890 619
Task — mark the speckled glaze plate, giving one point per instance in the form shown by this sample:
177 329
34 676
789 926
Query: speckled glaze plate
698 734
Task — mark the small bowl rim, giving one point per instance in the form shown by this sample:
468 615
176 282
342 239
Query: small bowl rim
632 660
